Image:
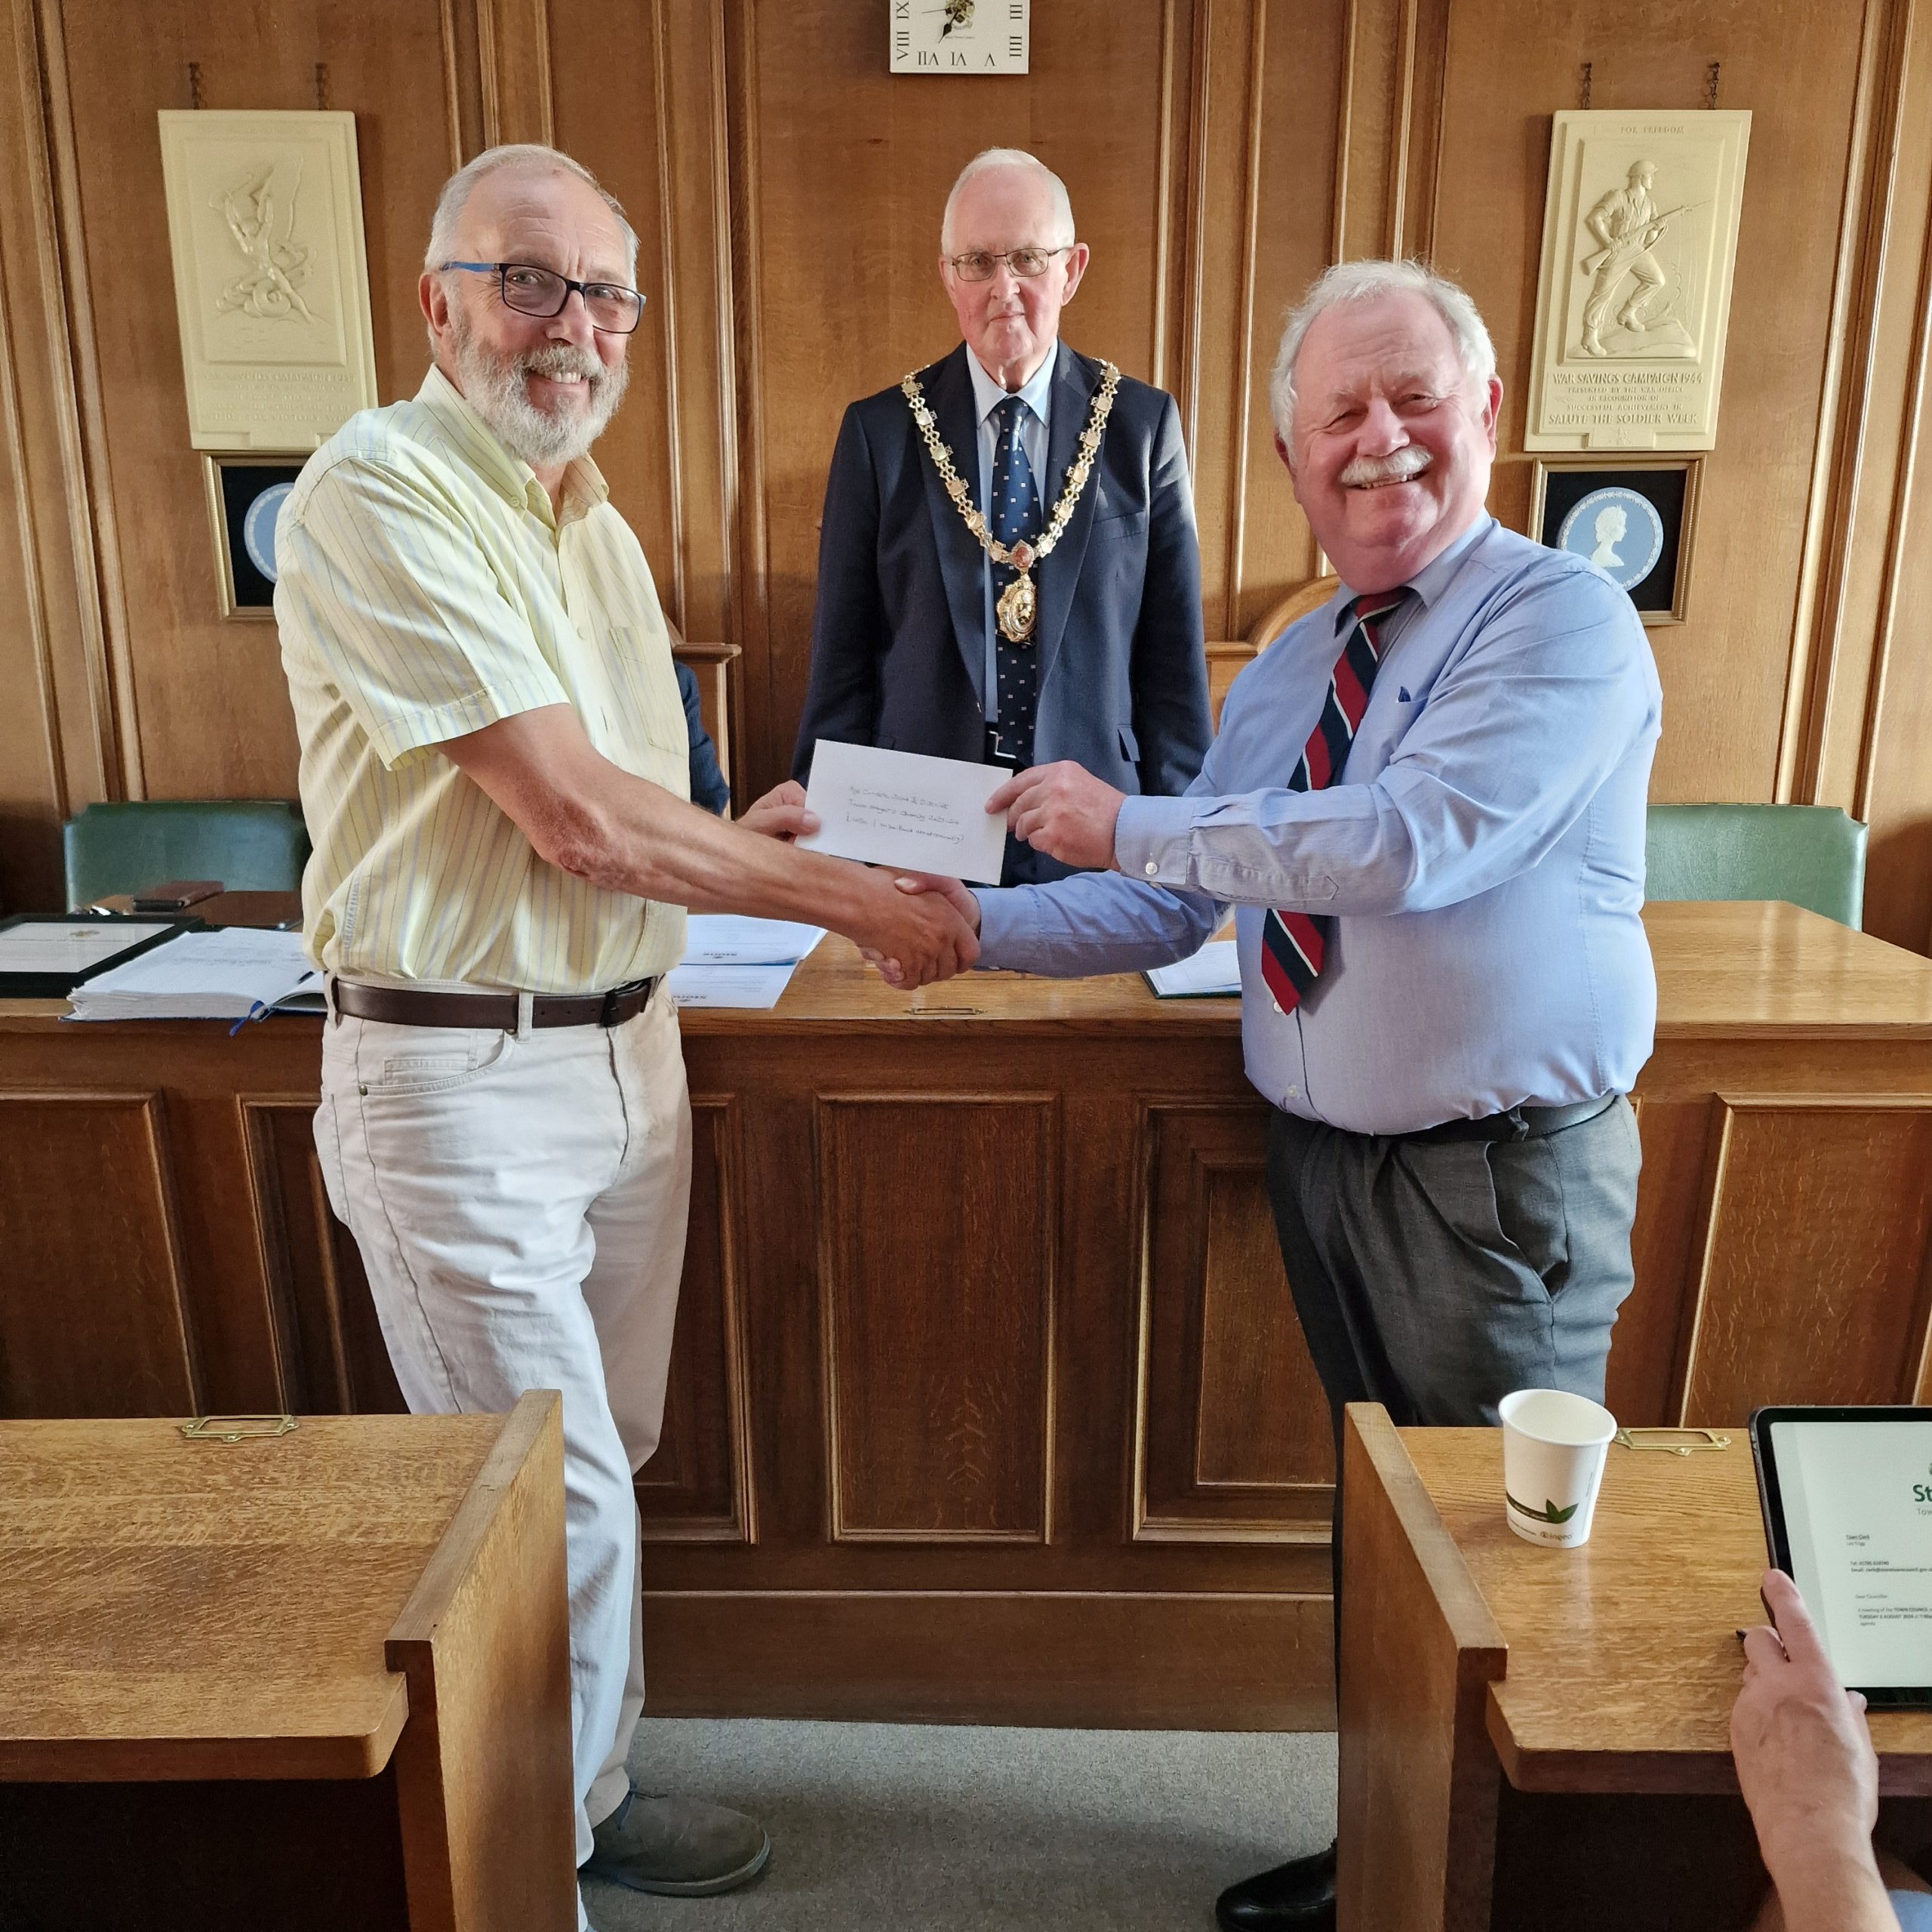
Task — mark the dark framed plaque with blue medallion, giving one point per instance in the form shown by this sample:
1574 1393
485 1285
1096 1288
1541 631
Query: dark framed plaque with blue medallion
245 497
1630 517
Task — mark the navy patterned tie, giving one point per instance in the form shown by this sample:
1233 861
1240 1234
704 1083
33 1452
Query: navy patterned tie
1015 516
1295 944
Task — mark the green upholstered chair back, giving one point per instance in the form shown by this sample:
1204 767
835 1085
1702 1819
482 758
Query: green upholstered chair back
1812 855
250 844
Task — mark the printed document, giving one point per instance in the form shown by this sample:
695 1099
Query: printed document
1857 1502
734 939
754 988
232 973
899 808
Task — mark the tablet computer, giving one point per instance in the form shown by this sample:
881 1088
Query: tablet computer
1846 1495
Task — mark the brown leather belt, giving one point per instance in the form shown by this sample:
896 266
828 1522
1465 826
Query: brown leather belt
404 1006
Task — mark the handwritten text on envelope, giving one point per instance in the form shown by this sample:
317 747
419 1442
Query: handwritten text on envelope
898 808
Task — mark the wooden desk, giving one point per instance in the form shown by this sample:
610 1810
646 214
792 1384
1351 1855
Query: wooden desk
1481 1672
225 908
318 1680
985 1390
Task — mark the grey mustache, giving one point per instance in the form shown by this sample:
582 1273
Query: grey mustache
1403 464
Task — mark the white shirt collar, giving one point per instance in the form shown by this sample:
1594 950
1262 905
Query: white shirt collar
987 395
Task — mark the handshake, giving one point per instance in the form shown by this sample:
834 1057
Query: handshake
921 927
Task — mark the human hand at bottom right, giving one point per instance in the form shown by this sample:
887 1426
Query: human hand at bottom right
1808 1772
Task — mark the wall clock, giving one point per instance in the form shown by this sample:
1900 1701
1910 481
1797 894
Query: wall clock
960 36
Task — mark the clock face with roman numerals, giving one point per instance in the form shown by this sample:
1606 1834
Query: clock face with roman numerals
959 36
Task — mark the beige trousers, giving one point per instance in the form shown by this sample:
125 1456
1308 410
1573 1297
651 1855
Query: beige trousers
520 1204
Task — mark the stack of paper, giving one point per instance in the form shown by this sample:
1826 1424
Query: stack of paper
730 961
1211 970
226 974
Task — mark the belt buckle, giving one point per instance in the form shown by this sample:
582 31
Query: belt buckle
609 1014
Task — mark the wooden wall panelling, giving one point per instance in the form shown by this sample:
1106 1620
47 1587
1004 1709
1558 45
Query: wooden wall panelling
600 56
939 1325
1225 126
34 790
697 1487
90 492
701 346
210 697
1174 282
513 54
1796 66
1233 1438
1388 126
694 171
1829 669
1891 786
770 696
1294 172
837 293
1368 131
1831 1196
1427 53
330 1358
94 1309
1220 152
60 739
463 84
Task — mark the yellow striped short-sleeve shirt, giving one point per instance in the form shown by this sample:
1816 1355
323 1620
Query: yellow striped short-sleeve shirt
424 590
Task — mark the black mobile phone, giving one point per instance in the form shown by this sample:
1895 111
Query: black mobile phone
175 895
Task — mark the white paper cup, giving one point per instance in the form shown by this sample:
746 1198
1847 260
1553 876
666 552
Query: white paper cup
1554 1444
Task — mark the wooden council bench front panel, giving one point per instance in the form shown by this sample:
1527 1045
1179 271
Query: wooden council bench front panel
986 1398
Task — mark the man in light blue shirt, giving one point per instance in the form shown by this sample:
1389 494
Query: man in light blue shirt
1426 801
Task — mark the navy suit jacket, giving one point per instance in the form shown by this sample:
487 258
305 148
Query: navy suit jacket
898 638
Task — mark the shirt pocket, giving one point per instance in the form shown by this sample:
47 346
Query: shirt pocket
645 691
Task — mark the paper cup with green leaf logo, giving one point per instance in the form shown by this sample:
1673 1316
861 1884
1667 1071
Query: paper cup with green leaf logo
1553 1448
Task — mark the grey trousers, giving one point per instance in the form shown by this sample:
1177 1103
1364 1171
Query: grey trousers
1435 1277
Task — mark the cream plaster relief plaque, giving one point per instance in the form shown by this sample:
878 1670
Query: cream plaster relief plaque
265 220
1639 236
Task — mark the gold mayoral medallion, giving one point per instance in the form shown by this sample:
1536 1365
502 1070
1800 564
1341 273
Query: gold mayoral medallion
1018 609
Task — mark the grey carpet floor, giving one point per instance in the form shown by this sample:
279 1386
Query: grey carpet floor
978 1830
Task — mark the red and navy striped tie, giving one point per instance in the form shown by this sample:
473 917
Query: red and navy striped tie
1293 943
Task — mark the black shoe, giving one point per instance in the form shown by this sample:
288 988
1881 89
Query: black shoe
1298 1897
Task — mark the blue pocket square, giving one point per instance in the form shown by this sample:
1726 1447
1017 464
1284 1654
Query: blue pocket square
1402 696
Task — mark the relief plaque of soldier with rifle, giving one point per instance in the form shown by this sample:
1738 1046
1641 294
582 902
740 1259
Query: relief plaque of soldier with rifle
1625 225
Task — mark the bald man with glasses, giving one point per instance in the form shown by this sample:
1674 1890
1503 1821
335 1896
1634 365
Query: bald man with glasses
1007 568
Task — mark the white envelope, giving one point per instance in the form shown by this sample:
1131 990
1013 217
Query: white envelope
898 808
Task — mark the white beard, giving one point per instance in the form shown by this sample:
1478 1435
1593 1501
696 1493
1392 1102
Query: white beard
492 385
